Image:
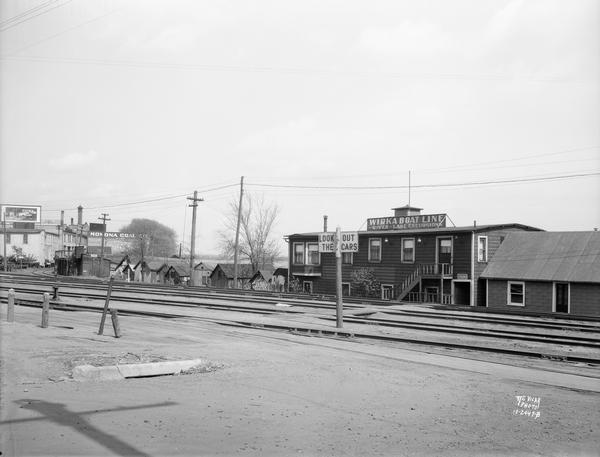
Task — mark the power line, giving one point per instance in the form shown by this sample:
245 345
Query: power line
282 70
139 202
34 16
26 12
63 32
423 186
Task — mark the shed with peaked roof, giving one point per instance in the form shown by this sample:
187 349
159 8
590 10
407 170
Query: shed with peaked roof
546 272
223 274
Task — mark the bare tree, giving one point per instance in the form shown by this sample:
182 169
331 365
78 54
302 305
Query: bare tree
256 243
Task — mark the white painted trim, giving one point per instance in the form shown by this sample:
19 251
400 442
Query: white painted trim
311 286
349 288
568 295
508 284
473 297
306 256
402 249
294 253
437 247
351 258
479 237
391 286
452 291
369 249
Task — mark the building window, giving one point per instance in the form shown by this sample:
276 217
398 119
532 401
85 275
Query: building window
345 289
482 248
374 249
8 237
298 253
387 291
516 293
312 253
408 250
307 287
347 258
25 238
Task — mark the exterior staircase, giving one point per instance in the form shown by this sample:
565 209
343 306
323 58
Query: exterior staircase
430 270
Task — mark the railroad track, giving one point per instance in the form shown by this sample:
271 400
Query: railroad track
193 294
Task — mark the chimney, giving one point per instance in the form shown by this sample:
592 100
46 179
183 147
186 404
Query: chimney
80 215
325 223
71 221
474 223
62 218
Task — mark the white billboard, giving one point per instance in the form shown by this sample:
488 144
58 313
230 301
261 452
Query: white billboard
21 213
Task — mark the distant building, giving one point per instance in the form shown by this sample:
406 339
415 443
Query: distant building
223 275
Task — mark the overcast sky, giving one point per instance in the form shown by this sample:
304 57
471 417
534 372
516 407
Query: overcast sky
105 103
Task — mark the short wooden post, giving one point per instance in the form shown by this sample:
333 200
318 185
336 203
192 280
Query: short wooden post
114 315
105 310
46 310
55 292
10 313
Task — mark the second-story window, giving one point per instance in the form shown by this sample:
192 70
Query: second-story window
347 258
298 253
482 248
374 249
312 253
408 250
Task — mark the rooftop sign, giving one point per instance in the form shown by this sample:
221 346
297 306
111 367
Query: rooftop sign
21 213
114 235
420 221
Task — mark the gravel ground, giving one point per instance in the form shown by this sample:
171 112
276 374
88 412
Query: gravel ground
270 393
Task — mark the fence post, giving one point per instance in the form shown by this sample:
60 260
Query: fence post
10 313
115 322
46 310
105 310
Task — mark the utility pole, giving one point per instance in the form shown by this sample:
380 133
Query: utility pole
237 236
4 236
104 218
194 205
338 278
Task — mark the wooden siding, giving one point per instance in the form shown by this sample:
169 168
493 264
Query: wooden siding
584 298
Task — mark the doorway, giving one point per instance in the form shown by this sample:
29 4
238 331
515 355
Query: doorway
462 293
561 297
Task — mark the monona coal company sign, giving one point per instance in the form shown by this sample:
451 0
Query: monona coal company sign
419 221
114 235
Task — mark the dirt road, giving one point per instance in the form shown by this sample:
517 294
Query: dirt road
271 393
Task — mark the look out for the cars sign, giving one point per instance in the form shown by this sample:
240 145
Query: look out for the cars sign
349 242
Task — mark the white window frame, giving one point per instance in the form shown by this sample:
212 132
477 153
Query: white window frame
484 257
304 283
351 258
349 289
554 284
298 243
508 294
391 288
307 256
414 249
380 251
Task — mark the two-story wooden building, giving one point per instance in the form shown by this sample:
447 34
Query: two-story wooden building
413 256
